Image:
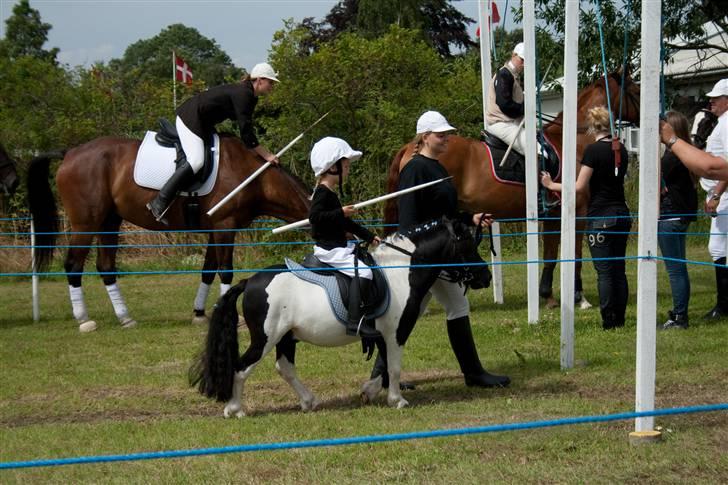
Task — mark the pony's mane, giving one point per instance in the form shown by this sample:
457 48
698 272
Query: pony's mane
387 256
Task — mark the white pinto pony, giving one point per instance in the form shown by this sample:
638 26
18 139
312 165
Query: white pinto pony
281 309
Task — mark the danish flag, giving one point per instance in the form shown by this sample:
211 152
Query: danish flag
494 17
183 73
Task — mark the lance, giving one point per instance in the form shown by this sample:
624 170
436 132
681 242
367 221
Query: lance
359 205
252 177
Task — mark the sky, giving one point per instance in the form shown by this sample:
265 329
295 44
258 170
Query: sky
86 31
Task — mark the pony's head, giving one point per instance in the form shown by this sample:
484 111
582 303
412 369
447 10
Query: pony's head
8 173
447 241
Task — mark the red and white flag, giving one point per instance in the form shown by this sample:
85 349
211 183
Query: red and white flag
182 71
494 17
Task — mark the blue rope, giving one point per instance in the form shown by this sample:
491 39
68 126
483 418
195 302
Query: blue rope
604 64
353 440
624 65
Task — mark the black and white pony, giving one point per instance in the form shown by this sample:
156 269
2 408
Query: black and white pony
281 309
8 173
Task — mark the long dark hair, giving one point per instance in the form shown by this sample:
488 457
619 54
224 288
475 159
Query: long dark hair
680 125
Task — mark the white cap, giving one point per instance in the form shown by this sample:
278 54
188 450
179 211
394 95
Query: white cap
263 70
327 151
432 121
520 50
720 89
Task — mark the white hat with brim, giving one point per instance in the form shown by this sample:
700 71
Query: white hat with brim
327 151
720 89
264 70
520 50
433 122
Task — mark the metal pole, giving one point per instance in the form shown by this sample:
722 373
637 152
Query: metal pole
34 278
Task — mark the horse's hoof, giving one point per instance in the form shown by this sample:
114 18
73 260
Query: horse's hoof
370 389
398 403
584 304
128 322
200 320
233 410
551 303
87 326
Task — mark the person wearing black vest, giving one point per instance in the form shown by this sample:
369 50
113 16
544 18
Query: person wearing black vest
431 203
196 120
678 205
609 220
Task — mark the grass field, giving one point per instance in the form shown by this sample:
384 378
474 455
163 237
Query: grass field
116 391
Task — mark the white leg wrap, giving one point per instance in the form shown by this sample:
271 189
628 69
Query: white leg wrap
202 291
118 301
80 313
224 288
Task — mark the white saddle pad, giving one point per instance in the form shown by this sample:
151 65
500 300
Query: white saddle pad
155 165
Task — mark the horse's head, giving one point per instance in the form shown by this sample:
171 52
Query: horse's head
446 241
623 85
9 179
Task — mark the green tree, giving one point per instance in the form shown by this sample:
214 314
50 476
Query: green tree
152 58
25 35
442 25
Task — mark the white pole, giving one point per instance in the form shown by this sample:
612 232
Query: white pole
174 82
486 75
649 195
529 75
359 205
568 180
34 278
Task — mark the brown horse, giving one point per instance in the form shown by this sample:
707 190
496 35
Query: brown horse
478 191
8 173
96 185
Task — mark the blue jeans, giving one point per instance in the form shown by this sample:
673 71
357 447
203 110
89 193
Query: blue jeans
671 239
607 240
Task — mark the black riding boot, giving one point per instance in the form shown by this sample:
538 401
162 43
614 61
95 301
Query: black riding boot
461 340
159 205
357 325
720 310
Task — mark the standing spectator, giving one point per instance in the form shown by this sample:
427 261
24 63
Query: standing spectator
678 204
609 219
716 201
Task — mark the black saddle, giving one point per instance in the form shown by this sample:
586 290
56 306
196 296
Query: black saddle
378 290
514 168
167 136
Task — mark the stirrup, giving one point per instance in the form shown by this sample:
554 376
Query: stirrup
159 217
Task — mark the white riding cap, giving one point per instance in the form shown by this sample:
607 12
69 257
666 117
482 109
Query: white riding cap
327 151
433 122
520 50
264 70
720 89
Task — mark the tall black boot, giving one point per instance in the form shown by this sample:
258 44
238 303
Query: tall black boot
159 205
720 310
461 340
357 325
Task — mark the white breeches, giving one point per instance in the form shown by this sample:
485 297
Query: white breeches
717 242
192 144
452 297
342 258
508 132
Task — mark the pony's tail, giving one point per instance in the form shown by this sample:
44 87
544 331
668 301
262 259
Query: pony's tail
391 209
213 371
43 208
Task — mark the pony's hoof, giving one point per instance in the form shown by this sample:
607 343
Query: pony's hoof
128 322
233 410
398 403
584 304
87 326
200 320
370 389
310 405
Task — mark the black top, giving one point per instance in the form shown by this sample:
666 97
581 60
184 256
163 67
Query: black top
681 196
431 202
504 94
227 102
328 223
607 190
